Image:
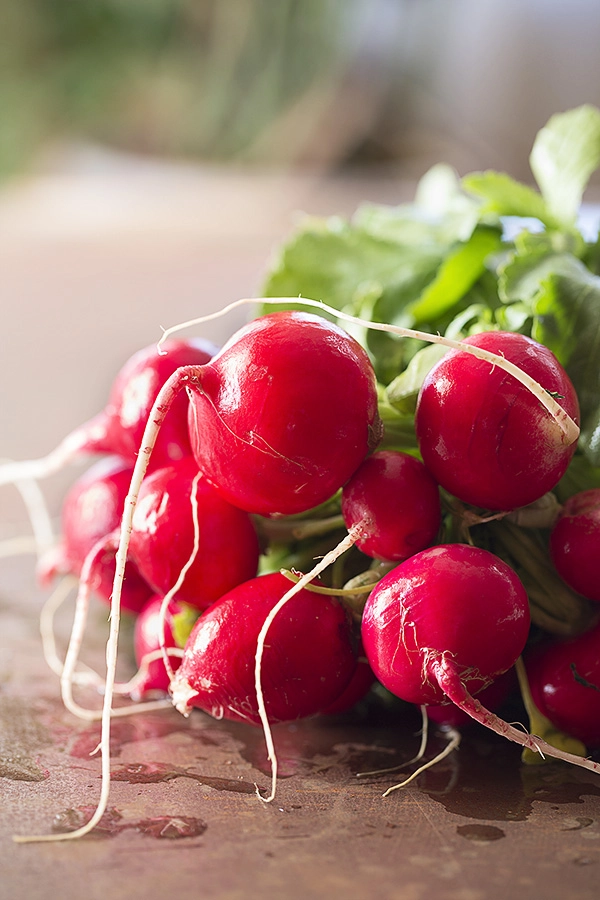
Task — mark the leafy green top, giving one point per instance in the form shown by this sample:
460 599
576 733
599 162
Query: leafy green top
480 253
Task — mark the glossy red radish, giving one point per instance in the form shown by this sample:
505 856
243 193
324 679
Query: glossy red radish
452 601
176 626
356 690
484 437
133 393
307 662
90 517
119 427
395 503
162 537
564 681
492 697
443 624
575 543
284 414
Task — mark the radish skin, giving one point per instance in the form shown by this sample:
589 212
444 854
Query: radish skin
448 621
173 591
482 435
566 424
118 428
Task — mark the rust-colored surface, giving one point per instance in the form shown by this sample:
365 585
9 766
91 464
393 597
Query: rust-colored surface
184 817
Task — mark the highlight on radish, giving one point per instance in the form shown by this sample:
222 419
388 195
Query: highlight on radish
90 517
483 436
119 427
284 414
162 536
575 543
395 502
133 393
564 681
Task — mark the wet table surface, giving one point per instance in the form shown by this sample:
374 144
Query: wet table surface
183 813
183 816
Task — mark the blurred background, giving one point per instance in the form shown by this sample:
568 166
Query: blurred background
293 83
153 152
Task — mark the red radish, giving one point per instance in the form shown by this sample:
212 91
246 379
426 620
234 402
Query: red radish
396 503
307 662
296 483
176 624
492 697
575 543
357 689
120 426
484 437
444 624
564 680
91 512
133 393
284 414
454 601
162 538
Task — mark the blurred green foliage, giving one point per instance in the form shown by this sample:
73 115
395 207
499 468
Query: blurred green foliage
190 78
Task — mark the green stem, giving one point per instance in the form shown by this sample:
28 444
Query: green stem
554 606
540 725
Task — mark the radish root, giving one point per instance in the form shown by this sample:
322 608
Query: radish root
410 762
186 377
444 672
37 510
66 452
453 742
179 380
569 428
171 593
323 563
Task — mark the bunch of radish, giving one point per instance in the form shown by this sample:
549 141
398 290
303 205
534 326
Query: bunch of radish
281 553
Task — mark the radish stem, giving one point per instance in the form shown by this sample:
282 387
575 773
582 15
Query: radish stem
444 672
569 428
171 593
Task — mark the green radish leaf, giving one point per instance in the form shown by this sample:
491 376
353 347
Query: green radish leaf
521 277
564 155
403 391
441 213
567 319
457 274
506 197
591 256
339 264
